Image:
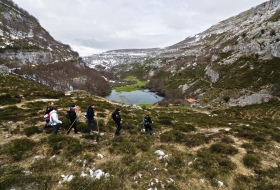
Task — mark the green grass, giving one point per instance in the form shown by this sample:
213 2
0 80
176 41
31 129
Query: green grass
144 106
136 86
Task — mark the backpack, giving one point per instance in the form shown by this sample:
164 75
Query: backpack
144 121
85 116
67 114
113 116
47 117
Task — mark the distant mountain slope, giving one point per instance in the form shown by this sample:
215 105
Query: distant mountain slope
235 62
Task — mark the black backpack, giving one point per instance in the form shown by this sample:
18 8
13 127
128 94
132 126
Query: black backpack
144 121
113 116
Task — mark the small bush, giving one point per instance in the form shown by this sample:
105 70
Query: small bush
221 148
8 99
31 131
172 136
193 140
272 33
124 146
100 184
248 146
226 98
184 128
227 140
213 165
70 146
251 160
143 145
19 148
165 121
128 160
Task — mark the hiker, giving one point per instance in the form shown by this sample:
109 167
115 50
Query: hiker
73 119
117 118
91 120
147 121
55 123
47 114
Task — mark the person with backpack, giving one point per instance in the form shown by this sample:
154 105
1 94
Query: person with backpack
73 118
147 121
55 123
90 117
47 114
117 118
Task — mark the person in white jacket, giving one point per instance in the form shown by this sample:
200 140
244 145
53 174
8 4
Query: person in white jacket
55 123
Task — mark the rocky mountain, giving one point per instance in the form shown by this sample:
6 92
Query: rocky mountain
236 59
28 50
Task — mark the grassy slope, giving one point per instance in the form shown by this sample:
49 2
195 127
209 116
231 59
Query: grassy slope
237 146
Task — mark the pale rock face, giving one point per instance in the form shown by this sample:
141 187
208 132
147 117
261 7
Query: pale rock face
276 50
4 69
213 75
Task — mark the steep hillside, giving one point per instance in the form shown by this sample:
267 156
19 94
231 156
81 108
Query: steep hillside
28 50
23 40
233 148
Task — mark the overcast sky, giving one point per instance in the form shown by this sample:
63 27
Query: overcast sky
94 26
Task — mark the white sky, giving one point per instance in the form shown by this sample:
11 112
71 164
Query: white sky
94 26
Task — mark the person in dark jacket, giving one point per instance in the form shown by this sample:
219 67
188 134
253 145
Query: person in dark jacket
47 112
73 119
117 118
91 120
147 123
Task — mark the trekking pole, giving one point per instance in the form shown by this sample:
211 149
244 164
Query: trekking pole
71 126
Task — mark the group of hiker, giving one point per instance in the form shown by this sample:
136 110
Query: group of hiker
51 118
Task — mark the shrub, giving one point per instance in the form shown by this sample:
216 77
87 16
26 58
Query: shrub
184 128
226 98
227 140
251 160
31 131
193 140
70 146
213 165
122 145
143 145
8 99
262 31
128 160
165 120
172 136
19 149
272 32
100 184
222 148
276 137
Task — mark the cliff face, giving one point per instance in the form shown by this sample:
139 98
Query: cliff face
23 40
